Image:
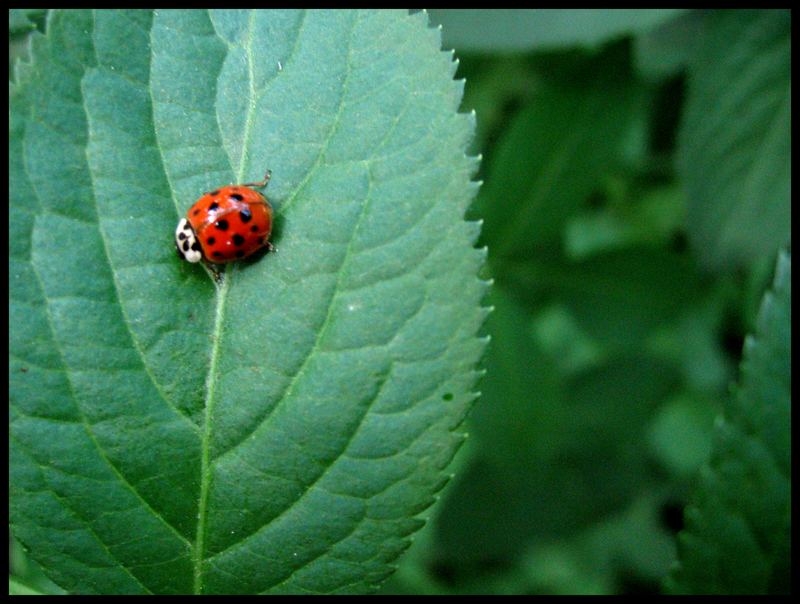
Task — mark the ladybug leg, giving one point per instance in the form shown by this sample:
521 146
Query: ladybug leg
270 248
261 184
216 271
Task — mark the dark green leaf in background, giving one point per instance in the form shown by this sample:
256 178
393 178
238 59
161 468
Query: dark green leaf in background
282 430
534 482
494 85
555 151
618 297
667 49
21 20
573 393
546 445
16 588
515 30
652 221
21 23
612 351
734 146
737 538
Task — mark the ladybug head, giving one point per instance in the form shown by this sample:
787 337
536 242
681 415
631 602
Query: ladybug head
186 242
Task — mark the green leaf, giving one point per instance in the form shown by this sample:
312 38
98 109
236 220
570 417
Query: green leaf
546 445
737 536
696 343
667 49
23 570
734 145
618 297
515 30
17 588
631 545
554 153
652 220
21 23
21 20
495 83
279 431
679 434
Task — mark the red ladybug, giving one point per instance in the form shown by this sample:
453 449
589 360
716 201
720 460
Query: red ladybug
230 223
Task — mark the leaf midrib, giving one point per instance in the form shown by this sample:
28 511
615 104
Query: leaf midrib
221 298
205 474
219 317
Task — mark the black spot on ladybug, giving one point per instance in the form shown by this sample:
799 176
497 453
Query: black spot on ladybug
236 197
260 240
222 225
214 192
246 215
196 246
196 212
185 246
211 241
240 253
217 254
181 235
254 228
238 239
214 205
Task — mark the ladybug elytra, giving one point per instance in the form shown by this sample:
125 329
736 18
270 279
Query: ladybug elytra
228 224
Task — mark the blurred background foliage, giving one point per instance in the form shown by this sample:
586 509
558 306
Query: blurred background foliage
636 192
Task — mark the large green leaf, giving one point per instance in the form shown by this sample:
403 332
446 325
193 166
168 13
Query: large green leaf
737 538
734 145
281 430
521 30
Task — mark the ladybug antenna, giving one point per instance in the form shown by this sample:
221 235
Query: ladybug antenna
261 184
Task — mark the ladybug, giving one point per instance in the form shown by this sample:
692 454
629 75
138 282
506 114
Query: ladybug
230 223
